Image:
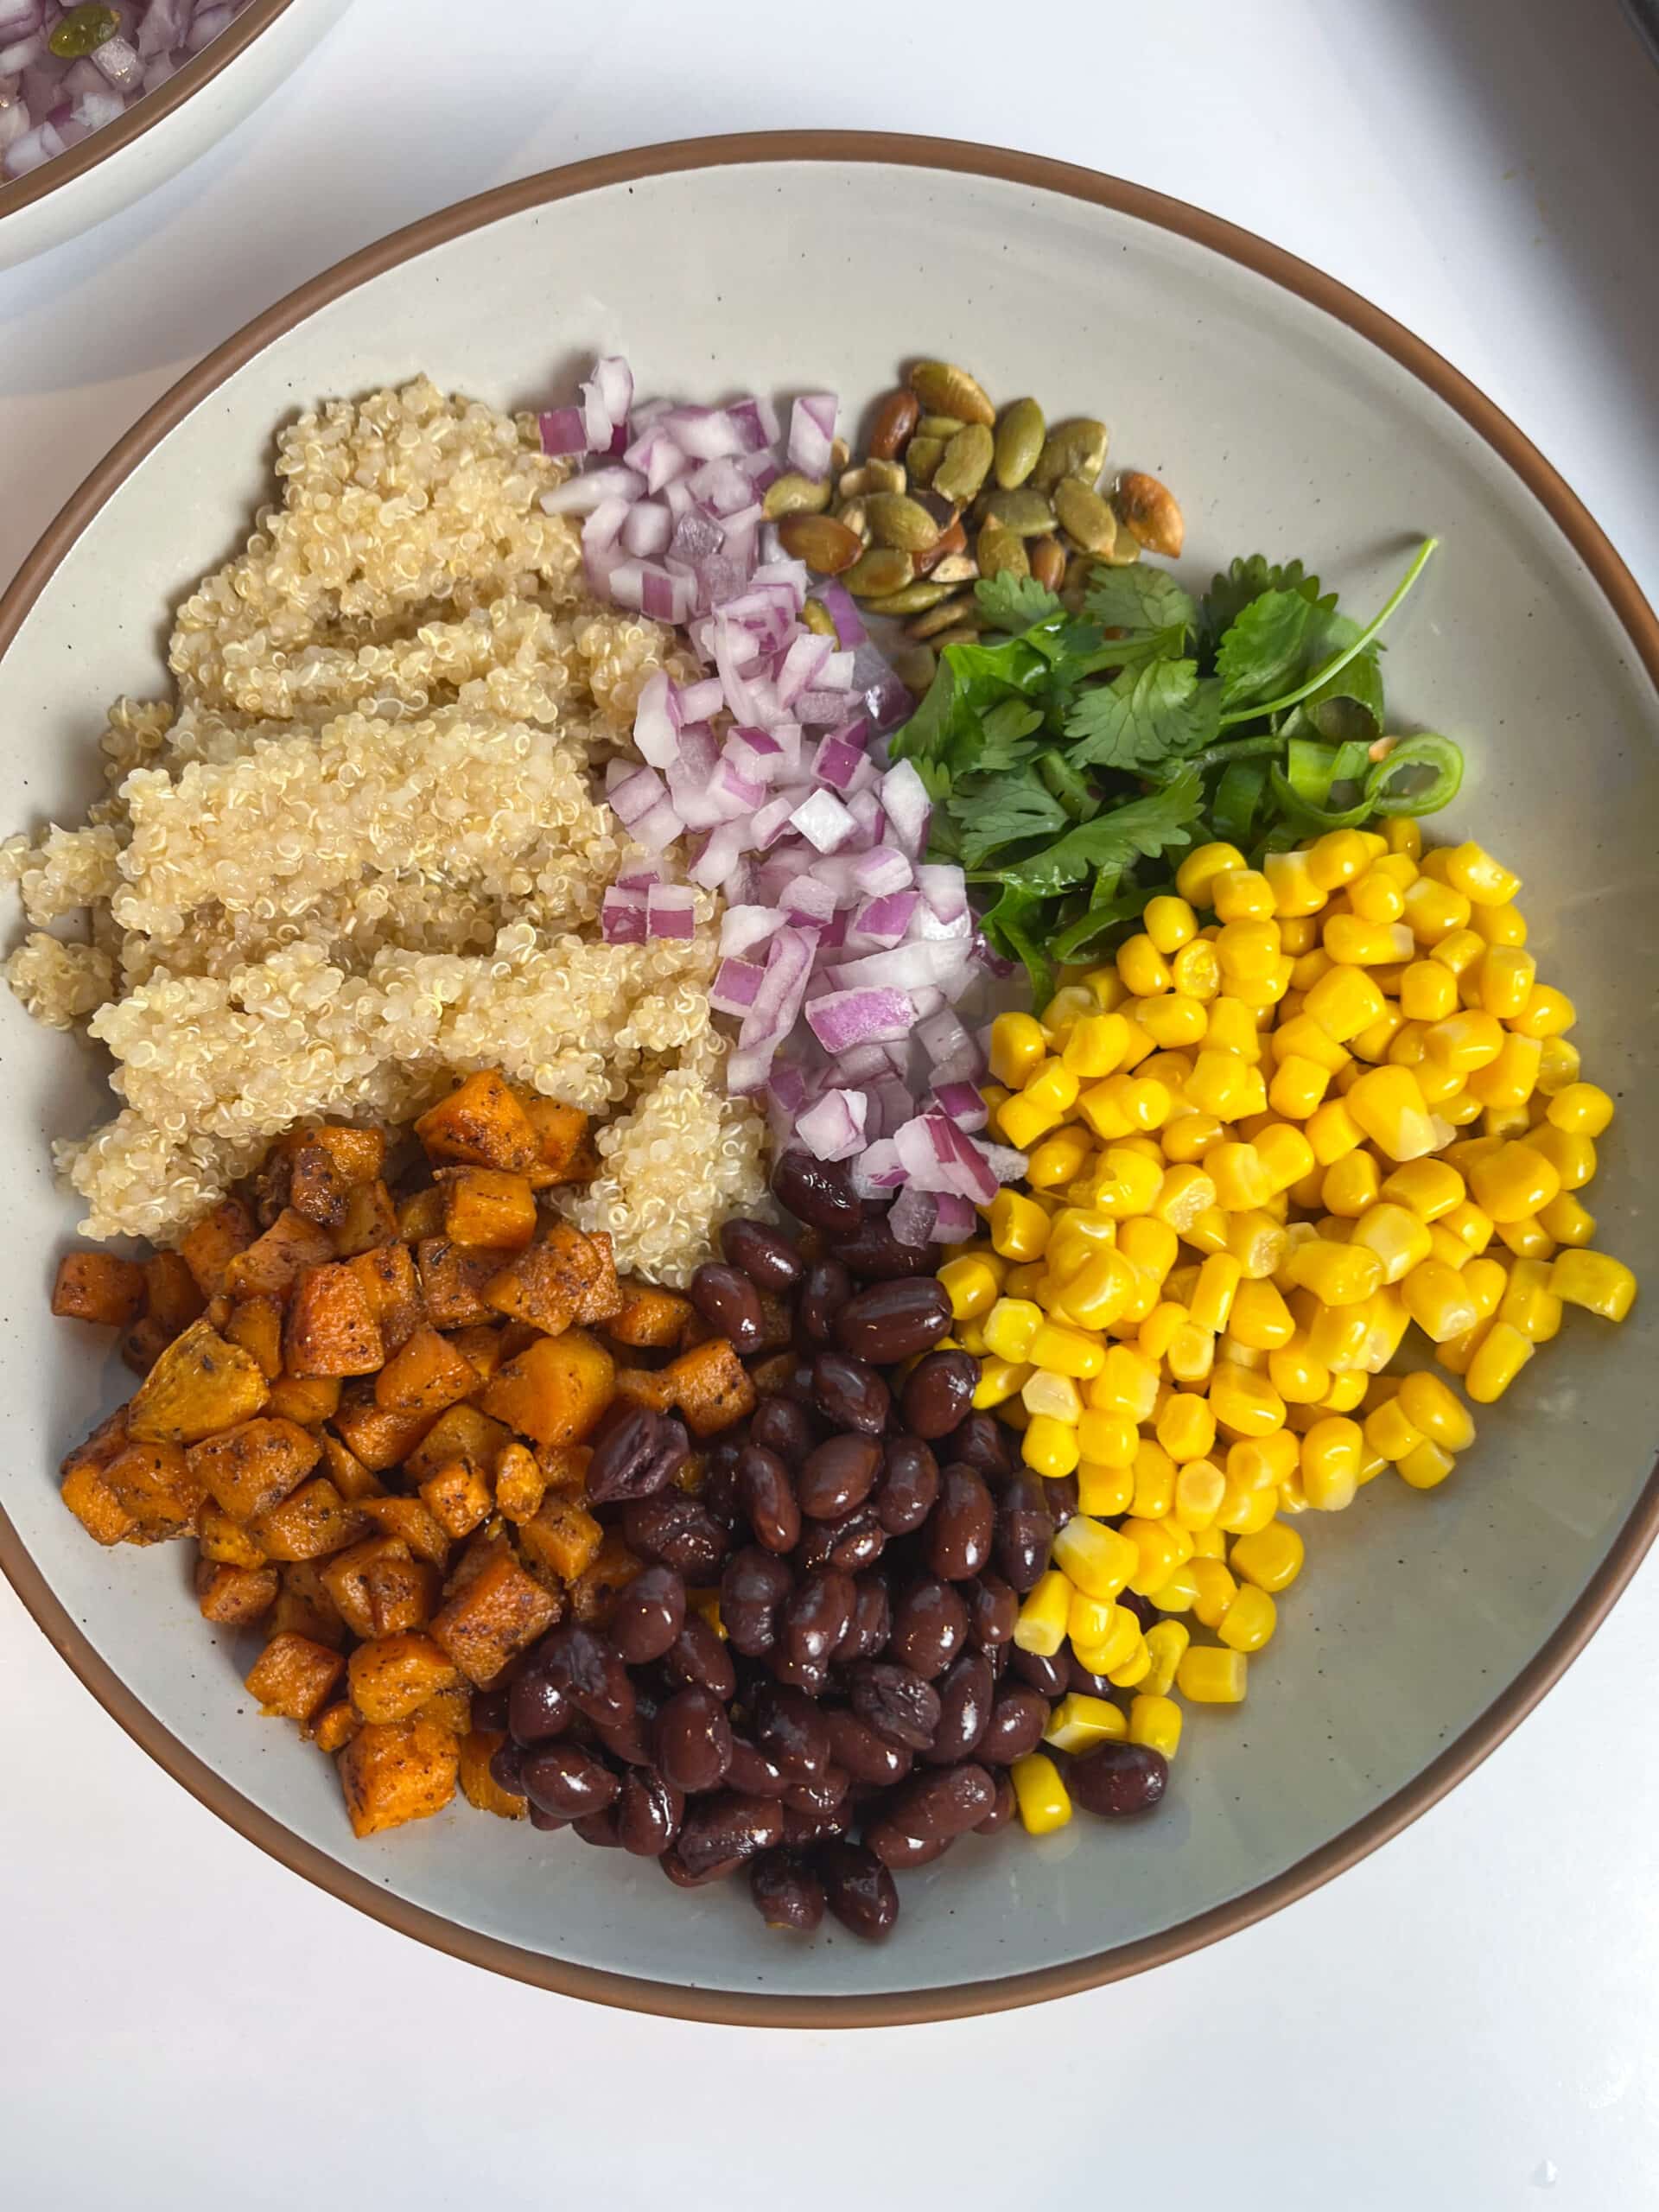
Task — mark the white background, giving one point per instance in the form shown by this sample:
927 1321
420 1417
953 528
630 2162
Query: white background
1470 2018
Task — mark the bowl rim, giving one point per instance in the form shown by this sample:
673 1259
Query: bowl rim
100 145
1624 597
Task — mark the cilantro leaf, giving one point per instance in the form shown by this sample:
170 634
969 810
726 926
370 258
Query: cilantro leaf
1247 580
1111 842
1001 811
1004 730
1101 916
1014 603
1141 601
1014 926
1265 649
1349 703
972 680
1147 716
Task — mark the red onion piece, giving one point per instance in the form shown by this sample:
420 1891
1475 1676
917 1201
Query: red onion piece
868 1017
634 793
834 1128
581 494
669 910
622 916
563 429
735 986
961 1103
811 432
823 821
912 1215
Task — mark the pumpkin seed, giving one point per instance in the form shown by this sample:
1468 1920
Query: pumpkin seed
943 426
895 520
948 613
1019 442
839 453
1024 512
915 599
943 389
852 515
819 619
826 546
874 476
915 667
1084 515
1152 513
955 569
1125 549
895 421
1001 552
794 494
83 30
1047 559
965 633
966 464
1074 449
883 569
922 456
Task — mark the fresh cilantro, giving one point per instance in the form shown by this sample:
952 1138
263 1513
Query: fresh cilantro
1120 904
1265 648
1245 580
1015 927
1147 609
1145 828
1014 603
1144 718
1004 731
1003 811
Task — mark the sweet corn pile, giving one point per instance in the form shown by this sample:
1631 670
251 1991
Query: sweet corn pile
1261 1147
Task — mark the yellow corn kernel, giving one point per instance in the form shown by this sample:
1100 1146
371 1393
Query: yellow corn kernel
1376 897
1200 1487
1505 1083
1108 987
1376 1041
1066 1353
1049 1446
1064 1011
1018 1227
1128 1183
998 1379
1055 1162
1243 1512
1333 1133
1270 1558
1097 1046
1581 1109
1337 1335
1256 1241
1513 1182
1143 968
1299 1379
1158 1549
1350 1186
1346 1392
1188 1137
1504 925
1566 1221
1100 1291
1546 1012
1331 1450
1298 1086
1246 1404
1336 858
1135 1669
1427 1466
1195 970
1211 1675
1079 1721
1152 1498
1186 1428
971 1286
1243 894
1191 1353
1104 1491
1099 1560
1399 1238
1571 1153
1249 1621
1051 1084
1260 1319
1088 1622
1389 1108
1506 976
1460 1109
1172 1020
1217 1083
1155 1719
1438 1301
1126 1384
1106 1439
1390 1432
1021 1120
1051 1397
1198 872
1043 1802
1011 1327
1428 991
1470 1224
1149 1245
1482 881
1434 910
1166 1640
1527 1238
1339 1274
1429 1187
1295 891
1403 833
1218 1285
1485 1281
1028 1282
1528 1304
1217 1590
1249 952
1170 923
1344 1001
1185 1192
1461 953
1017 1046
1044 1613
1594 1281
1284 1152
1353 942
1306 968
1239 1177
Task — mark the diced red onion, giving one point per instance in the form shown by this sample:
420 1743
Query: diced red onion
809 904
878 1170
669 910
812 432
32 149
657 720
789 969
622 916
835 763
907 807
823 822
786 1090
834 1129
634 793
953 1217
741 928
868 1017
18 17
961 1103
647 530
580 495
803 664
656 830
563 431
882 922
735 986
21 53
912 1215
205 26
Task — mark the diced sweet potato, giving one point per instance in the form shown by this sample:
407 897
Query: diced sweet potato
421 1215
453 1281
403 1594
314 1522
368 1221
481 1549
214 1242
393 1290
393 1676
305 1605
561 1137
335 1725
274 1262
426 1375
200 1384
565 1466
478 1785
173 1299
399 1770
250 1468
359 1154
154 1483
499 1613
602 1299
486 1207
292 1676
711 1387
346 1472
555 1391
481 1346
345 1577
594 1592
223 1540
379 1439
481 1124
142 1344
315 1186
645 1386
406 1517
451 1708
544 1284
520 1484
332 1328
256 1325
459 1432
457 1496
98 1286
231 1597
563 1536
648 1318
307 1399
96 1506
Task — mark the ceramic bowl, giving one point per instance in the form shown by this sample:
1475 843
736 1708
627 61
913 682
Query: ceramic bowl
1289 416
161 133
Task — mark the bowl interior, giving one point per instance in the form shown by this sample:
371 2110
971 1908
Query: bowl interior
1279 429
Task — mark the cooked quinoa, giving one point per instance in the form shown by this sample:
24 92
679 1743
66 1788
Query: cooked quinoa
361 848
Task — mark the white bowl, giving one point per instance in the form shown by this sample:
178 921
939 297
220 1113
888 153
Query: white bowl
1289 415
155 139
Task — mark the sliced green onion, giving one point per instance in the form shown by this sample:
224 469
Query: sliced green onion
1237 795
1306 815
1437 758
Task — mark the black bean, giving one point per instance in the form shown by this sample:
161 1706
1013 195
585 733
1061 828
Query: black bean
1024 1532
567 1781
858 1888
909 1484
751 1773
982 1442
825 1288
627 1740
1046 1675
816 1191
993 1610
725 1830
801 1830
719 1491
506 1769
960 1528
1143 1609
649 1810
896 1703
546 1821
768 1259
1004 1807
754 1585
811 1675
966 1695
930 1809
812 1553
892 1321
938 1391
866 1756
729 1303
1060 1494
859 1540
782 1427
791 1730
851 1393
636 1453
693 1739
1018 1720
930 1626
537 1709
490 1706
698 1656
598 1827
1116 1778
769 1497
876 1255
588 1669
818 1615
648 1615
872 1622
678 1530
822 1796
671 1864
1079 1678
837 1476
787 1892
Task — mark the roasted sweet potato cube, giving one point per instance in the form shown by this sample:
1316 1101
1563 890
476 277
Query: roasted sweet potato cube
457 1496
453 1281
359 1154
459 1432
210 1247
537 1286
563 1536
481 1124
199 1385
645 1386
561 1135
332 1328
711 1387
378 1439
231 1597
555 1391
335 1725
594 1592
306 1604
98 1286
487 1208
250 1468
520 1484
345 1577
481 1346
602 1299
346 1472
426 1375
393 1290
256 1325
274 1262
565 1467
478 1785
142 1344
292 1676
370 1220
408 1518
403 1594
648 1318
225 1540
315 1186
314 1522
156 1484
500 1612
420 1214
96 1506
307 1400
398 1771
173 1299
451 1708
392 1677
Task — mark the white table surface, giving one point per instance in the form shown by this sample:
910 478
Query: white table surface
1469 2018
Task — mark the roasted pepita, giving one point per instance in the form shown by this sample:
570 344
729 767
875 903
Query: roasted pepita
966 464
1024 512
794 494
944 616
944 389
883 569
1084 516
895 424
1001 552
1151 510
915 599
1019 442
896 520
1073 448
826 546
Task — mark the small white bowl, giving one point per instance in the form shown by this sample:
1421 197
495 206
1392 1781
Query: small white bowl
162 132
